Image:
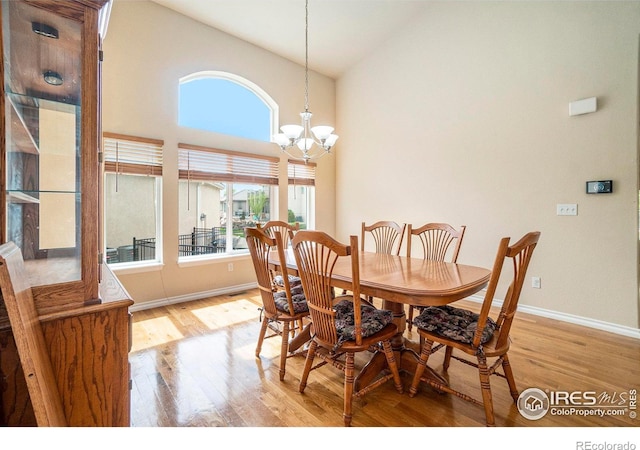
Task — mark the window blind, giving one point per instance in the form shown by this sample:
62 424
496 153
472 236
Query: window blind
210 164
132 155
301 174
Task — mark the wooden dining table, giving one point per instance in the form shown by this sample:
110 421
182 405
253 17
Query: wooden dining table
399 280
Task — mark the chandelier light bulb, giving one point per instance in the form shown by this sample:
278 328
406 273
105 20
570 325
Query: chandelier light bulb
305 144
322 132
331 140
281 139
292 132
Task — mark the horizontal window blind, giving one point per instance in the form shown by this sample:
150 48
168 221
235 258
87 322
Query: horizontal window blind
209 164
300 173
132 155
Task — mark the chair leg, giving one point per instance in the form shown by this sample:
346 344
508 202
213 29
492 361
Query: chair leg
311 353
420 368
485 386
393 366
447 358
410 318
263 330
508 373
300 327
284 349
349 371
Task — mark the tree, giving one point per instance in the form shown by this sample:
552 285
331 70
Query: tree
257 202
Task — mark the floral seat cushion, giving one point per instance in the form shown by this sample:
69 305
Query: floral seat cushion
299 300
453 323
373 320
293 281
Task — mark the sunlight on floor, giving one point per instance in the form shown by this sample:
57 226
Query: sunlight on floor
162 330
225 314
153 332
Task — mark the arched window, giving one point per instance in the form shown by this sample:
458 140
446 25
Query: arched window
225 103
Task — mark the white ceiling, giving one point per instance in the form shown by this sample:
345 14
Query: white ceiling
341 32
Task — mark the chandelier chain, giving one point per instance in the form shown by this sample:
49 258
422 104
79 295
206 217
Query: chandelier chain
306 56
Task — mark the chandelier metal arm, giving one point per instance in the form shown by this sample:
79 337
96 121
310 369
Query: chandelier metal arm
306 157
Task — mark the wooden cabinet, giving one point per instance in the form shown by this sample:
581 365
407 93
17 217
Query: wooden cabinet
49 207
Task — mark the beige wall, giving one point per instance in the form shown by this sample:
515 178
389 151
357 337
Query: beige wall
148 48
469 103
470 106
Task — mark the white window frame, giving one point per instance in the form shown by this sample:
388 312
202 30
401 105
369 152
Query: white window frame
135 156
304 174
247 84
228 167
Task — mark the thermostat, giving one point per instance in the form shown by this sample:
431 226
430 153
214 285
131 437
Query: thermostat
600 187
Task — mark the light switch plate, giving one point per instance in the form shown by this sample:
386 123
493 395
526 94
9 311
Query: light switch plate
567 209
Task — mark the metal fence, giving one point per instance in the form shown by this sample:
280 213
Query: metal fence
144 249
202 241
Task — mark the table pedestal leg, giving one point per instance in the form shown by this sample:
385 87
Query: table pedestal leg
406 358
301 338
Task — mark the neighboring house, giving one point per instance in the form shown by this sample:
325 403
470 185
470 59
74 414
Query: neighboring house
202 200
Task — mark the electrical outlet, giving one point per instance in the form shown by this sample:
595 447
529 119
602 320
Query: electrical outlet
230 267
536 282
567 209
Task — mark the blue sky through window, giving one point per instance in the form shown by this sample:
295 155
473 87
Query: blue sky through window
222 106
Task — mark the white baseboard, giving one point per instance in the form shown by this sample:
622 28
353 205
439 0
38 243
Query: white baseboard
189 297
570 318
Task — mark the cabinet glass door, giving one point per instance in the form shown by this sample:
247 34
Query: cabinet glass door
42 83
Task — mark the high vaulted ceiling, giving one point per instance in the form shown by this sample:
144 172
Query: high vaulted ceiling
341 32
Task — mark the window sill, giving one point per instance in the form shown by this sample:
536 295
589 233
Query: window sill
190 261
128 268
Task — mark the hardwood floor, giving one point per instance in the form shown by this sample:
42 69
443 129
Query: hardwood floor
193 365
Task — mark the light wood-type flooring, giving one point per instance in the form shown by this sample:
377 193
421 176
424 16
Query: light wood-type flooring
193 365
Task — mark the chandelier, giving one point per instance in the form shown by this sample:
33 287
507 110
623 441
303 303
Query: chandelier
313 142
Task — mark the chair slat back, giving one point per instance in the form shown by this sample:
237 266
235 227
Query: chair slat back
260 246
280 227
436 240
387 235
520 254
316 255
29 338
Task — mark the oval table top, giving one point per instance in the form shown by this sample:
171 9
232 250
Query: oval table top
407 280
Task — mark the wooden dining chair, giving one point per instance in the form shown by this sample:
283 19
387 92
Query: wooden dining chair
439 241
387 235
282 228
345 325
478 335
286 307
278 226
29 338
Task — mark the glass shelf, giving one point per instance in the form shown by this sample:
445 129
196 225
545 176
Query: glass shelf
19 113
20 196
